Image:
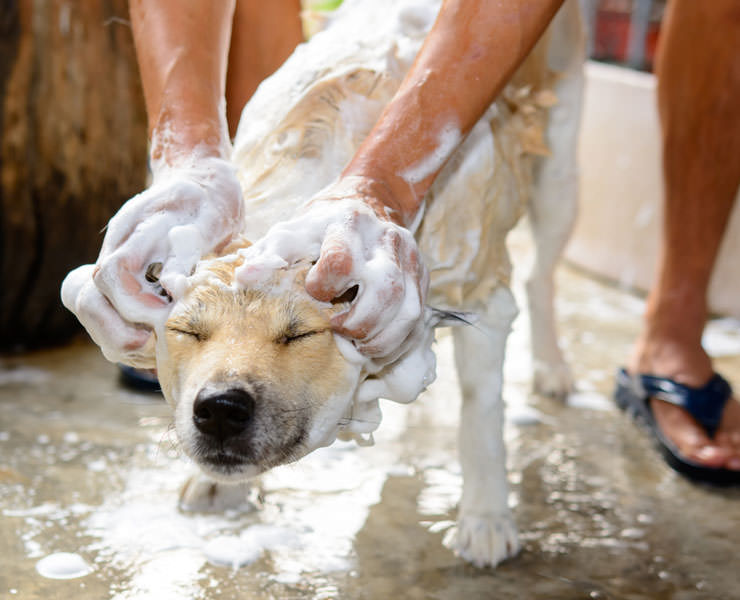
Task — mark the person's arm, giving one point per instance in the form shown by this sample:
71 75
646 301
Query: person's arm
182 50
467 58
194 205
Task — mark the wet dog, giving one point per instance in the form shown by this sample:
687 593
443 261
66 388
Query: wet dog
255 375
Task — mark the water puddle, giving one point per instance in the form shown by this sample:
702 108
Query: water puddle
90 477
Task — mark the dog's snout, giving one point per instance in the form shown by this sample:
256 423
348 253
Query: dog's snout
223 414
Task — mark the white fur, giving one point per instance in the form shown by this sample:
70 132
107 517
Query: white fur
202 494
553 206
482 186
297 133
486 532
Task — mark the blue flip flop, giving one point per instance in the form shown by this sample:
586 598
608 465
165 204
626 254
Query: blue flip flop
705 405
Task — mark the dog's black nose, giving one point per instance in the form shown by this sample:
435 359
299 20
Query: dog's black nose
223 415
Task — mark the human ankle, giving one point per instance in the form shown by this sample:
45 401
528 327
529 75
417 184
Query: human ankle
677 317
671 355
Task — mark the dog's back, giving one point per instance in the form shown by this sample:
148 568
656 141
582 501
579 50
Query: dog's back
305 122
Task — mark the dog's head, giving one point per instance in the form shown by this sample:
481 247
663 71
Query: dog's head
254 375
257 378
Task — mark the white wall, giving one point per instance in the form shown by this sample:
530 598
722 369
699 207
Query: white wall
618 228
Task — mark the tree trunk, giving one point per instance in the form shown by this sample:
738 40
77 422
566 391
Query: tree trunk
72 150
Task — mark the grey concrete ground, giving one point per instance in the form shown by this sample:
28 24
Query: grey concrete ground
90 468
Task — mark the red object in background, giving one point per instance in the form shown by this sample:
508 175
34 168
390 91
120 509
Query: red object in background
611 37
651 44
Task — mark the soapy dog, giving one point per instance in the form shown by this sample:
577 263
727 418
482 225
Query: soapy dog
252 364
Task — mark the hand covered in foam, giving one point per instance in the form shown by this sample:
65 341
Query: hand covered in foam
354 242
151 245
120 341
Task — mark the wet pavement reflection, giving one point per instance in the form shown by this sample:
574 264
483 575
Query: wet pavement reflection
91 469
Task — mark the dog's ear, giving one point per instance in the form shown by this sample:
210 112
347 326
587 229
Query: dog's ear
141 358
437 317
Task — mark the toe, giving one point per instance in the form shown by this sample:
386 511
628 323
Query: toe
728 434
709 455
722 451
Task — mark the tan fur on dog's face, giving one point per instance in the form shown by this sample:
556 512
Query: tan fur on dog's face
226 348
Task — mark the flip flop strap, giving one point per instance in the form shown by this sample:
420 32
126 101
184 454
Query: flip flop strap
705 404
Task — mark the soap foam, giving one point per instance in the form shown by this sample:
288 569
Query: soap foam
447 140
63 565
236 551
401 363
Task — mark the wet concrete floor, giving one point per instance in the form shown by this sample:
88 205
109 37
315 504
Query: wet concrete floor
90 468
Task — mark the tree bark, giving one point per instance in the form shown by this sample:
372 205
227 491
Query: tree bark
72 150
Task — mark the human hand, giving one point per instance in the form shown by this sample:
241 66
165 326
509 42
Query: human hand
150 247
354 242
120 342
154 241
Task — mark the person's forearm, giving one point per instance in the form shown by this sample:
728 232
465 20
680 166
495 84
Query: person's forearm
469 55
182 50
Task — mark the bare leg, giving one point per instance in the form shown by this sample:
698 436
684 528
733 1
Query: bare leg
698 91
263 35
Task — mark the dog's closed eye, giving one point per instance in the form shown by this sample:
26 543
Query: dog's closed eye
188 332
290 337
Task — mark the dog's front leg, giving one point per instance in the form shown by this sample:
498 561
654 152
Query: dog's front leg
486 533
202 494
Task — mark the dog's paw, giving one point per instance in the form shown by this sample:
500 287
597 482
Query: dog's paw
484 540
203 495
553 380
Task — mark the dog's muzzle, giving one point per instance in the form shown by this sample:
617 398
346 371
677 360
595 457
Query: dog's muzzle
222 416
224 420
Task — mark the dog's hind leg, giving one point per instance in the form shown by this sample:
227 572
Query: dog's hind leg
485 532
553 207
552 213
